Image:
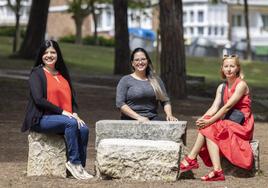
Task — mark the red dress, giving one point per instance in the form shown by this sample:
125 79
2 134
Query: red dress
232 138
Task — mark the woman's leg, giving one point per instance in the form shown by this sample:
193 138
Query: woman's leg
214 154
60 124
200 140
82 144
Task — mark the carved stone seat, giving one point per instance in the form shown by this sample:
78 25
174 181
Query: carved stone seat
47 155
139 151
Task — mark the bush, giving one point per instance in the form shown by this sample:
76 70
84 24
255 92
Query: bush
10 31
7 31
67 39
88 40
108 42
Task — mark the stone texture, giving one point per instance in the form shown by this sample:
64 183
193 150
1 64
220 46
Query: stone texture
152 130
137 159
47 155
239 172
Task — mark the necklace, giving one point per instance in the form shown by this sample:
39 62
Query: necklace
54 74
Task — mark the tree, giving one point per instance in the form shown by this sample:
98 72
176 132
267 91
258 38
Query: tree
36 29
248 52
122 51
80 10
16 9
172 57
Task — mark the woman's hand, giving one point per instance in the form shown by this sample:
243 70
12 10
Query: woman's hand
142 119
80 122
201 123
66 113
171 118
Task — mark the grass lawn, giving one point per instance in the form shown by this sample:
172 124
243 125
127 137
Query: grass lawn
100 60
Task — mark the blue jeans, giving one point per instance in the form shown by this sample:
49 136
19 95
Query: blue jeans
76 139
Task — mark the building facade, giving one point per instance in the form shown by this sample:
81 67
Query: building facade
220 23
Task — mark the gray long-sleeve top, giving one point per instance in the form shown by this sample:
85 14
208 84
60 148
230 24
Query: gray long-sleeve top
138 95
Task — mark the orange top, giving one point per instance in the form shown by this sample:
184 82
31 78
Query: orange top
59 91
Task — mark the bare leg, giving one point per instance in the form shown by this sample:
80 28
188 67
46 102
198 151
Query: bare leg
214 154
200 140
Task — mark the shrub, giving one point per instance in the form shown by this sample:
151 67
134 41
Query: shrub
108 42
67 39
10 31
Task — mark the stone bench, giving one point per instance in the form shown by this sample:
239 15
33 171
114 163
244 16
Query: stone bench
239 172
47 155
152 130
138 151
138 159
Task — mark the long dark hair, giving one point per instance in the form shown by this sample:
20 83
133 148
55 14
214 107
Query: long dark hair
151 75
60 65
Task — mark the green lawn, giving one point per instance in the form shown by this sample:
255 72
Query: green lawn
99 60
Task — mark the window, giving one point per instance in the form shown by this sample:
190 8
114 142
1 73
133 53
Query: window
109 19
200 30
265 21
209 30
184 17
192 16
237 21
215 31
222 30
200 16
191 30
99 20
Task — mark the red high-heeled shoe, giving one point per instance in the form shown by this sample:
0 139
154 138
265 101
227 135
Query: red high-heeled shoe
218 175
192 164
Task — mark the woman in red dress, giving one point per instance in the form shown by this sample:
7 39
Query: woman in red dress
219 136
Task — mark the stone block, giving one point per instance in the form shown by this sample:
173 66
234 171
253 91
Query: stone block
132 159
239 172
152 130
47 155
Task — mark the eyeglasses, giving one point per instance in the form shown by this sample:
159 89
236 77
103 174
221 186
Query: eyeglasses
140 60
229 55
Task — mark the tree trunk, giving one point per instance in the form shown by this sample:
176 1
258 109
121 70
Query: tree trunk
122 51
78 26
17 31
94 16
36 29
248 53
172 57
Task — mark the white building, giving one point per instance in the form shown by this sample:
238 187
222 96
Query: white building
219 23
7 16
225 21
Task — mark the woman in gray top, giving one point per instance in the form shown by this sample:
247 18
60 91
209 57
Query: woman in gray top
138 94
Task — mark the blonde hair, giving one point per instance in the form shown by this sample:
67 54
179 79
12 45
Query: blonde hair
234 57
159 93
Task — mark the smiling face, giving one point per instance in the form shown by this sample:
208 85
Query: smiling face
230 68
50 57
140 62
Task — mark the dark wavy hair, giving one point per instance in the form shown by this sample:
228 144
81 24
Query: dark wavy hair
60 65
